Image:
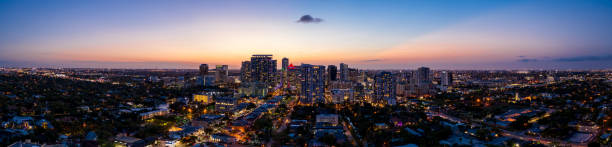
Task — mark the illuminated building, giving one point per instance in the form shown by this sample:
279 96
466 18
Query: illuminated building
355 76
205 98
421 81
225 104
284 72
151 114
285 64
385 88
253 89
342 95
313 83
344 75
129 141
263 69
446 78
222 138
293 77
245 72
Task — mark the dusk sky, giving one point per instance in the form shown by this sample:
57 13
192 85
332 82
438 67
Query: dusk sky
392 34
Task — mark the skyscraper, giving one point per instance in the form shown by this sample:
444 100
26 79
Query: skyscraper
203 69
285 64
293 76
355 76
221 73
284 72
344 72
332 73
385 88
421 81
263 69
446 78
245 72
313 83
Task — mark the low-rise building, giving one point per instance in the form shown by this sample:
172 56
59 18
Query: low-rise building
225 104
327 118
222 138
342 95
128 141
151 114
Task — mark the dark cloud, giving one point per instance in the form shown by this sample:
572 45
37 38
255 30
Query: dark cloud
309 19
521 56
585 58
372 60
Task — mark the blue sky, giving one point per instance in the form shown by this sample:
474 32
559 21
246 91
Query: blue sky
365 34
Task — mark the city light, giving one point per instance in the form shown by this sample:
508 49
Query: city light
305 73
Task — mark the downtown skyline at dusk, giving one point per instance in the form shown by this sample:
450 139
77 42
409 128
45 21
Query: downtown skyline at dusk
305 73
366 34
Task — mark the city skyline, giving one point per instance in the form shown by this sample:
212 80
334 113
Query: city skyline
366 35
311 73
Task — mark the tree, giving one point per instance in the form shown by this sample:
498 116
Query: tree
521 123
328 139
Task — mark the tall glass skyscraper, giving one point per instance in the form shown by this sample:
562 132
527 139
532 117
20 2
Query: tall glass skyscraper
313 83
285 64
385 88
245 72
421 80
263 69
332 72
203 69
344 72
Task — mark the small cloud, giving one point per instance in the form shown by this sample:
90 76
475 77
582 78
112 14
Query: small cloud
309 19
566 59
527 60
372 60
585 58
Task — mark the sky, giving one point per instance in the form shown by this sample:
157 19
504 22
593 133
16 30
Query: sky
393 34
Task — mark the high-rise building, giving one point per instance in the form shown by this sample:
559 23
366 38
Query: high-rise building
421 80
203 69
263 69
446 78
285 64
284 72
344 72
221 73
245 72
385 88
313 83
422 76
293 77
332 73
355 76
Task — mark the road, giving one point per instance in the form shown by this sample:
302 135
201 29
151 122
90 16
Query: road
349 134
544 141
